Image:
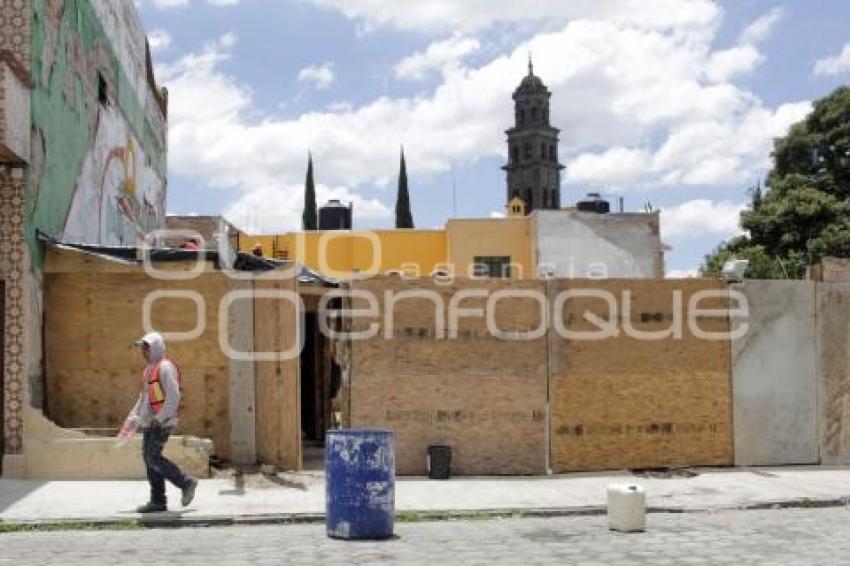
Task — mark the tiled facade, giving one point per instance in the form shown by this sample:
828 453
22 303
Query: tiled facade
15 46
13 266
15 28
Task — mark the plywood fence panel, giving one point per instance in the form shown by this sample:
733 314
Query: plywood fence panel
94 371
483 396
622 402
277 382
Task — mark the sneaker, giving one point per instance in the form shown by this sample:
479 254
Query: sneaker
152 507
189 493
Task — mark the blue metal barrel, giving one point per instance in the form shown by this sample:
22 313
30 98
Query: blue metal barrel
360 484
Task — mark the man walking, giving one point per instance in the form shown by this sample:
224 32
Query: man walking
157 412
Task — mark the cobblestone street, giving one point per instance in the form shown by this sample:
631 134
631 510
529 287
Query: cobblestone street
816 536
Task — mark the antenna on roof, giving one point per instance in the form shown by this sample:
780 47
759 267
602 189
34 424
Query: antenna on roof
530 64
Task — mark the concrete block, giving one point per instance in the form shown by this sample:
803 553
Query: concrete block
774 376
833 347
53 453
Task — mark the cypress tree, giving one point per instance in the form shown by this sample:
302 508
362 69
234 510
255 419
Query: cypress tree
403 216
310 217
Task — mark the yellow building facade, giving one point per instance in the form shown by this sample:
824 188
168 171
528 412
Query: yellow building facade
481 247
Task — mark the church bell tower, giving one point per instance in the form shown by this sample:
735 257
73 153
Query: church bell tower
533 170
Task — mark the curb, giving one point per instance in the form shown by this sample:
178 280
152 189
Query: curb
404 516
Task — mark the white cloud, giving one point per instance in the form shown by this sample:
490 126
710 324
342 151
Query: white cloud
633 103
472 15
443 55
159 39
701 217
760 29
834 65
170 4
722 150
682 273
617 166
317 76
340 107
726 64
227 41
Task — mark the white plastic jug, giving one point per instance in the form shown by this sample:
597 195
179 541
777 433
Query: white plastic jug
626 508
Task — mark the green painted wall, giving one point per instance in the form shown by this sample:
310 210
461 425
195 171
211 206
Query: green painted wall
70 49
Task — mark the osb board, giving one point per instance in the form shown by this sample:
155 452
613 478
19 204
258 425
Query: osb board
621 402
65 260
277 382
484 397
833 344
94 371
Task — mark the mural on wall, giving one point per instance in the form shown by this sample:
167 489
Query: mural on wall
117 196
99 149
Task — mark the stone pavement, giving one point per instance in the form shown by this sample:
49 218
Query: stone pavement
792 536
302 494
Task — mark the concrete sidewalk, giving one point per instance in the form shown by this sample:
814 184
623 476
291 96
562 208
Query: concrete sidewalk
294 497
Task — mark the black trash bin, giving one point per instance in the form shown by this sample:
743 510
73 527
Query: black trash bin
439 462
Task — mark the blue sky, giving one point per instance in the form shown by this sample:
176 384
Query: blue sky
674 102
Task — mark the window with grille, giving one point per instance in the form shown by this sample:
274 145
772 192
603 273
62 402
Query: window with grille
494 267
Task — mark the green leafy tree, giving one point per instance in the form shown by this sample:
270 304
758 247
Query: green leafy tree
805 215
403 216
310 219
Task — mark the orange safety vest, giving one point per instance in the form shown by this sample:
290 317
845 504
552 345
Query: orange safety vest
156 393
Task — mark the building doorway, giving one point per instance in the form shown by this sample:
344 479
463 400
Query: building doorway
315 383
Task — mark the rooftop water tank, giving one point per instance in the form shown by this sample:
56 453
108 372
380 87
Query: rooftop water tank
594 203
335 216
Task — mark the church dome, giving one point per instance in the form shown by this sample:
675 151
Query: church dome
531 84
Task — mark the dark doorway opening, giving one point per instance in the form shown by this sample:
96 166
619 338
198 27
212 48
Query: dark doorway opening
315 382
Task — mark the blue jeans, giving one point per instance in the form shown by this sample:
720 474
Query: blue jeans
158 467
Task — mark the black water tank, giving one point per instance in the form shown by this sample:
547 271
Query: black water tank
335 216
594 203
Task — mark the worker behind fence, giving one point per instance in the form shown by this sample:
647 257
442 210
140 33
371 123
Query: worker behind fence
157 412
